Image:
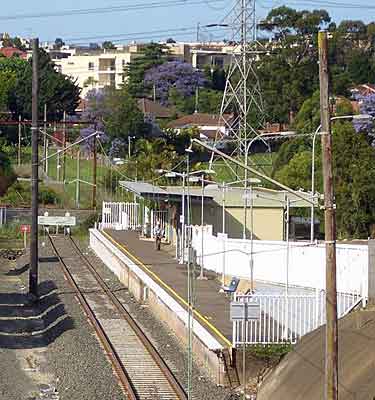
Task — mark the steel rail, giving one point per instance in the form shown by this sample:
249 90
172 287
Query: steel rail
111 352
159 361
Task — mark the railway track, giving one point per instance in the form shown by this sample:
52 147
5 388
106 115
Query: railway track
142 372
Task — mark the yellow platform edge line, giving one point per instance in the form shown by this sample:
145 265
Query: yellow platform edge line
166 286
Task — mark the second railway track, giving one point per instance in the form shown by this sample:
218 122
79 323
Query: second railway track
141 370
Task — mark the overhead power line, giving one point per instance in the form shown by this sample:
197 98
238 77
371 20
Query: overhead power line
107 10
142 35
327 3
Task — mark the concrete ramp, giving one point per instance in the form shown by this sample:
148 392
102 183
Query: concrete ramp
300 376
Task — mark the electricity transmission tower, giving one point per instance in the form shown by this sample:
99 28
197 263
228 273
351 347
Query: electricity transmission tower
242 109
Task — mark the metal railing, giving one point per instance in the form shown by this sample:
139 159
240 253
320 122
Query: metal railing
121 216
285 319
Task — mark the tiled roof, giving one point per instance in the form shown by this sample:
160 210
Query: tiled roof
11 51
364 90
151 107
199 119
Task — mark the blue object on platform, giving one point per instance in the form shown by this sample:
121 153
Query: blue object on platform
232 286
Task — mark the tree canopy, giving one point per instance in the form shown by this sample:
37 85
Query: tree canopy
150 56
58 91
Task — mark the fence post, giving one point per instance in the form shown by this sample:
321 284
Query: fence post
371 272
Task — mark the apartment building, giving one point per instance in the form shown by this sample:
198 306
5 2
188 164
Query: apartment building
96 69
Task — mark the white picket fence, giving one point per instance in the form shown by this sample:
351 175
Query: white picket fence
285 319
120 216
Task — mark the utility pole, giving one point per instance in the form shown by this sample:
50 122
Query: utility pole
33 274
64 145
94 165
19 139
331 354
196 100
78 179
45 139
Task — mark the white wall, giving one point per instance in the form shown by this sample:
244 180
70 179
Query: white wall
306 262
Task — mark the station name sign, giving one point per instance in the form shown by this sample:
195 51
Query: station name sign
57 221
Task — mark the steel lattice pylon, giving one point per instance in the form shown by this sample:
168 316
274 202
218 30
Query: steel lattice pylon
242 109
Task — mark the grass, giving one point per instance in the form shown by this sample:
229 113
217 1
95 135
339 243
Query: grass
262 162
10 237
67 192
269 353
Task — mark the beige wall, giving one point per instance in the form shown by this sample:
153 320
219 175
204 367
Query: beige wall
107 68
268 222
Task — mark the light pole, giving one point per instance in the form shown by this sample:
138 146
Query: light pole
129 145
251 261
190 291
183 175
223 231
201 276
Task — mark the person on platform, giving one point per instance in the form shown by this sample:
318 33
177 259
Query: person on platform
159 234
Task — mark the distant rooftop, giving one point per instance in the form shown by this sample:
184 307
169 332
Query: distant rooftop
12 51
199 119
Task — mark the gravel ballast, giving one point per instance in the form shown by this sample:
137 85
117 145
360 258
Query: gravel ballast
162 337
66 360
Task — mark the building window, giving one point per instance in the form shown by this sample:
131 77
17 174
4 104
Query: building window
91 66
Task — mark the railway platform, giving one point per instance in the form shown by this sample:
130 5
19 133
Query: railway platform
144 269
212 307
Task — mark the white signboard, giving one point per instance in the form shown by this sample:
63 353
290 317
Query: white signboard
243 311
57 221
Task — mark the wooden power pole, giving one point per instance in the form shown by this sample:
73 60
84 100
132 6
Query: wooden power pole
33 273
331 351
94 169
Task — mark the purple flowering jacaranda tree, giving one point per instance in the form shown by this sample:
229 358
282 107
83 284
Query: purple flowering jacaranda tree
176 75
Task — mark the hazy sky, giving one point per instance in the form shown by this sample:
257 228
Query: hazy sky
73 28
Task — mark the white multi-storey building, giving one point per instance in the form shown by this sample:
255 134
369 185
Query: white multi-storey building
96 69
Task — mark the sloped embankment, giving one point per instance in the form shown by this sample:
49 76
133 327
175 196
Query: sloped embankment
300 375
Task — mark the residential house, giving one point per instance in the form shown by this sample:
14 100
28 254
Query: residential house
209 125
153 110
13 52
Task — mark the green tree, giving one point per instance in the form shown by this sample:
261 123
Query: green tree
59 43
7 83
354 179
152 155
151 55
58 91
124 118
107 45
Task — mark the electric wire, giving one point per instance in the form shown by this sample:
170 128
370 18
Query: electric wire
107 10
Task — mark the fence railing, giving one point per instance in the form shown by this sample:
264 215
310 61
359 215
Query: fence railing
122 216
285 319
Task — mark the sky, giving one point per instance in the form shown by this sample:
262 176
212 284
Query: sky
137 24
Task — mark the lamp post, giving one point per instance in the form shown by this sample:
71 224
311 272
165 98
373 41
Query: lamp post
183 175
223 231
129 145
201 275
251 260
190 291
